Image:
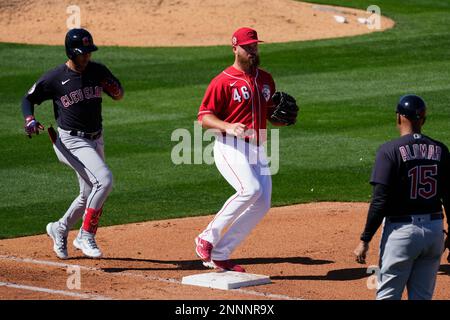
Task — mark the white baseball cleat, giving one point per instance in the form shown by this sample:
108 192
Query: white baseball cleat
85 242
59 236
209 264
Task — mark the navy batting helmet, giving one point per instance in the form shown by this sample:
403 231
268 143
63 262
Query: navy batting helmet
79 41
412 107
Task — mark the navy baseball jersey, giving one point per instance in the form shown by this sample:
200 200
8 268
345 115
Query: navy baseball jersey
415 168
77 97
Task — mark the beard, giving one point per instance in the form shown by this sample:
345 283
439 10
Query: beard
249 62
81 62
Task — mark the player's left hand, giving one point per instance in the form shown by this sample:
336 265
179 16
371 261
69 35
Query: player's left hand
361 252
32 126
112 88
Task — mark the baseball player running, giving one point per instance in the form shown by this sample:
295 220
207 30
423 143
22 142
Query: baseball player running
236 104
76 90
411 183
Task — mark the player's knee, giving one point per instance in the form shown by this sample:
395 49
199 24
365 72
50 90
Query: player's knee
252 191
83 196
106 181
266 204
85 191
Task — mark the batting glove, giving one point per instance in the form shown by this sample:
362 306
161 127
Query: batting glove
32 126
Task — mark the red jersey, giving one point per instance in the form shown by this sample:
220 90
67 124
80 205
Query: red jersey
235 96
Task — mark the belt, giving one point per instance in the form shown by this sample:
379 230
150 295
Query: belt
251 141
86 135
246 139
406 219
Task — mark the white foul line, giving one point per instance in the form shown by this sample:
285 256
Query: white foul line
136 275
67 265
51 291
267 295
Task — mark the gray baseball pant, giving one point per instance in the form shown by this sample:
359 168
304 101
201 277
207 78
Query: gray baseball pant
410 256
87 158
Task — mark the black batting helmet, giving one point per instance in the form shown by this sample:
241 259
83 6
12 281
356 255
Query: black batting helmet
79 41
412 107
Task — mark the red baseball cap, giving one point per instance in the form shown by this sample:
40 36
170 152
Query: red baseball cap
243 36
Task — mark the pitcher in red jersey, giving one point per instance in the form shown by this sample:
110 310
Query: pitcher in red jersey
238 103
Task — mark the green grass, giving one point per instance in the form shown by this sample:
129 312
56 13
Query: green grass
347 89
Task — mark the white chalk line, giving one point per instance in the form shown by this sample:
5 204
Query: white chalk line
52 291
268 295
136 275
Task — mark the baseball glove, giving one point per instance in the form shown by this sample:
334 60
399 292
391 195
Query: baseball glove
286 109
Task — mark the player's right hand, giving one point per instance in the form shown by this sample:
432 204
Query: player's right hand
361 252
235 129
32 126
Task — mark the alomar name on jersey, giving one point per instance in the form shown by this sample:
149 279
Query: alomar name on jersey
420 152
80 95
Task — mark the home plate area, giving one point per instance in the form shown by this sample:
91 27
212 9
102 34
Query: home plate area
226 280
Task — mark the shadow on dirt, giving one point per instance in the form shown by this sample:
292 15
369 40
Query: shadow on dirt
333 275
444 270
346 274
197 265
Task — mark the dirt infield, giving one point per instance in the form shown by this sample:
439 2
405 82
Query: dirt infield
177 22
305 249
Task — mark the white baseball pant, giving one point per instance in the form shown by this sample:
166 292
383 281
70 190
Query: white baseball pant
245 167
